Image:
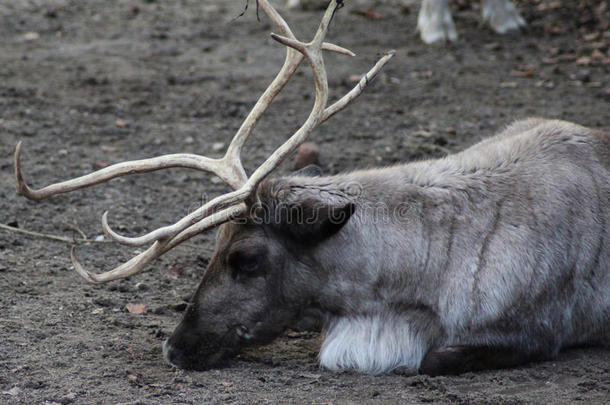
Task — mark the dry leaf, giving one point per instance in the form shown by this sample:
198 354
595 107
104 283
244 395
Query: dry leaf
100 164
583 61
523 73
174 273
558 30
425 74
591 37
569 57
120 123
369 13
135 309
132 378
597 54
108 148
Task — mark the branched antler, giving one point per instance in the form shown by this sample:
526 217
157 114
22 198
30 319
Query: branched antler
229 168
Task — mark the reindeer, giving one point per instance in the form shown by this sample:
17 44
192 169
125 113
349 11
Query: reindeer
491 257
435 24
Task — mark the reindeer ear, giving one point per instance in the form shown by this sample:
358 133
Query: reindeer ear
302 212
308 171
318 221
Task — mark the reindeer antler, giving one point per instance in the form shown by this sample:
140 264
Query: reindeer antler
229 168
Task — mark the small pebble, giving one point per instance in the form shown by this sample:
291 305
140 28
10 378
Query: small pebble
31 36
307 154
142 287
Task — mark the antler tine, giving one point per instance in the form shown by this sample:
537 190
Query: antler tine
158 248
169 231
359 88
131 267
184 160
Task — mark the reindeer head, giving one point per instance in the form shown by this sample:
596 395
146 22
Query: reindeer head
263 276
246 279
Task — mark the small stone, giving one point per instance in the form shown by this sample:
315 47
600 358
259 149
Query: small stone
181 307
142 287
217 146
104 302
307 154
12 392
68 398
160 310
31 36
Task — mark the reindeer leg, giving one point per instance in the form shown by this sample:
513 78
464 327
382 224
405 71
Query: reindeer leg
502 16
461 359
293 3
435 23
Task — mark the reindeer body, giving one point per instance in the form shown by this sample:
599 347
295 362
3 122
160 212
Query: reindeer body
493 256
505 244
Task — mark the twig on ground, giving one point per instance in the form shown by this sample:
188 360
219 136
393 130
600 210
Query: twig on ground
76 227
50 236
71 241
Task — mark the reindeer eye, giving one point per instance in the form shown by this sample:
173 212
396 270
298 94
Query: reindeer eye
244 263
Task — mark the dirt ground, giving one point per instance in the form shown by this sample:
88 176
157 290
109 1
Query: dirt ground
85 84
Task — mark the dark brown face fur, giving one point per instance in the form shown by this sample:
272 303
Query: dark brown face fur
240 301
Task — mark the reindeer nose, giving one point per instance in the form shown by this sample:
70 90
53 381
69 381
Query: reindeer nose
169 354
178 357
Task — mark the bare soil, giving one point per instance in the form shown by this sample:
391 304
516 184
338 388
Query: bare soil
85 84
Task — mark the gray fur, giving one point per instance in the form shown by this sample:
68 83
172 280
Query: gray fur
505 244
